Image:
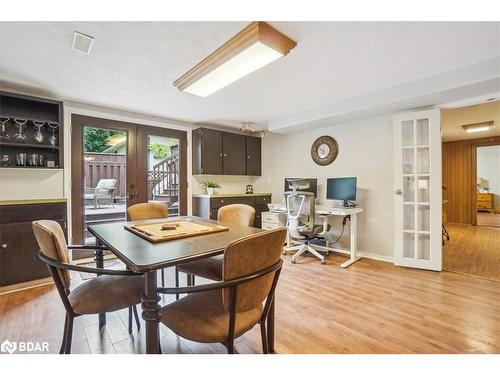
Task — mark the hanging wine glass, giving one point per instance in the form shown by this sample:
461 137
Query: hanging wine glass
20 137
38 135
3 130
53 137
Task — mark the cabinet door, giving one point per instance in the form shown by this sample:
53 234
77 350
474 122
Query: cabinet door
18 255
211 151
234 150
253 156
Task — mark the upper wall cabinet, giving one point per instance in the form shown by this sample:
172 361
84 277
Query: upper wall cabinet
31 132
223 153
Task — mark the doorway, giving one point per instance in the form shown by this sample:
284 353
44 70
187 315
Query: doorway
488 186
117 164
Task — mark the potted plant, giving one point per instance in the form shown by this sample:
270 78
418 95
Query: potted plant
209 186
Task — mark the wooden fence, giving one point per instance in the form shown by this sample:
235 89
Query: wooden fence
102 166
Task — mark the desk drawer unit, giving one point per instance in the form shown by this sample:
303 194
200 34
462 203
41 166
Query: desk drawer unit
484 201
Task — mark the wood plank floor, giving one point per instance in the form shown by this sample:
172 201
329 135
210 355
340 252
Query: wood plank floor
488 219
370 307
473 250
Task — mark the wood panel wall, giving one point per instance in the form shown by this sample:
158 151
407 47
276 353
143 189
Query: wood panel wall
457 158
459 176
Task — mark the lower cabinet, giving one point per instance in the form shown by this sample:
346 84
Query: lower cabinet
207 207
18 247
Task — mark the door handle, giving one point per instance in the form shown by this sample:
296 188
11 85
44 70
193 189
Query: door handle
398 192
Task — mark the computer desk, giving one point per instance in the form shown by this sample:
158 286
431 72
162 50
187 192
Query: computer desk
353 212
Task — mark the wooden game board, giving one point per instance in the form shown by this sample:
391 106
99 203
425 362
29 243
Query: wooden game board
153 232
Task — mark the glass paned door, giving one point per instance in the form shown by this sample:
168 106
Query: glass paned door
417 171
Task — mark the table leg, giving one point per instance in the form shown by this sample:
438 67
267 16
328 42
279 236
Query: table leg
354 242
99 263
270 327
151 313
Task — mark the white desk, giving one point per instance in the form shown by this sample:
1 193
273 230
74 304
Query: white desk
353 226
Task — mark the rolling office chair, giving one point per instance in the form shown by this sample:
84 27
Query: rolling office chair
300 209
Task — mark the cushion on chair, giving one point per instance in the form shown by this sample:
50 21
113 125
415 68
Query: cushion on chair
106 293
311 232
208 268
201 317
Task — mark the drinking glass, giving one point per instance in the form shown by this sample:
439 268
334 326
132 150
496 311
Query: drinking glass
38 135
20 137
53 137
3 130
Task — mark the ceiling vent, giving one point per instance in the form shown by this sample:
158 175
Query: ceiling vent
82 43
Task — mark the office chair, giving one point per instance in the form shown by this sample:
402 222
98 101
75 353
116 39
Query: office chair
300 209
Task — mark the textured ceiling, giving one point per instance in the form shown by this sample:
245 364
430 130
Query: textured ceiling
133 65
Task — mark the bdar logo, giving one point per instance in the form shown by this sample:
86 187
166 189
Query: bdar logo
8 347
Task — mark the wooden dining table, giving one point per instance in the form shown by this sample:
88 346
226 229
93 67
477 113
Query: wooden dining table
144 257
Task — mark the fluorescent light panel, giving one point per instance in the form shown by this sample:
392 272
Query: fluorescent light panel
480 127
254 57
252 48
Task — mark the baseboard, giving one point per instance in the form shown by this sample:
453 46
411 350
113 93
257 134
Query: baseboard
26 285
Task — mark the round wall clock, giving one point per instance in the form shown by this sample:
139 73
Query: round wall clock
324 150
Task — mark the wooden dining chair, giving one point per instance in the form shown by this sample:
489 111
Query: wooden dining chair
211 268
222 311
112 290
147 211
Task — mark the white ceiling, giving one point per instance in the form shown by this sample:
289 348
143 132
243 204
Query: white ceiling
336 68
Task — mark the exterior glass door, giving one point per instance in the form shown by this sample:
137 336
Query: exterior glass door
417 170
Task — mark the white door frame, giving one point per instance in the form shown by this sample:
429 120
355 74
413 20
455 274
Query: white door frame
435 194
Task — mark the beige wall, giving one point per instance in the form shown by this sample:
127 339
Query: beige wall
365 152
31 184
453 119
228 184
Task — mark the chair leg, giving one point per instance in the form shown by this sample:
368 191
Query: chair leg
130 319
263 334
69 336
176 282
136 316
63 344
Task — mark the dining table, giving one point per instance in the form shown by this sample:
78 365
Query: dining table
145 257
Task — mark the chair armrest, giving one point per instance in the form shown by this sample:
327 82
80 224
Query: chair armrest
221 284
74 267
87 247
89 190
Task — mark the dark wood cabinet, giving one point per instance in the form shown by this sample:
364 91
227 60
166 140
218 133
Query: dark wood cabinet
207 207
234 154
223 153
18 247
207 151
254 156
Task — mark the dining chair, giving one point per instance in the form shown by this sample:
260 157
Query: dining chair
147 211
111 290
222 311
211 268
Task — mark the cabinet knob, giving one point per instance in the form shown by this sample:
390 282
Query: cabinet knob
220 154
3 246
225 155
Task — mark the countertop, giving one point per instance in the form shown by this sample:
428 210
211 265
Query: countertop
234 195
31 201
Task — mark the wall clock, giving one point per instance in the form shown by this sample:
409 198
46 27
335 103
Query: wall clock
324 150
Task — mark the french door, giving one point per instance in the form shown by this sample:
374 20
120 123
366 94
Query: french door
417 190
116 164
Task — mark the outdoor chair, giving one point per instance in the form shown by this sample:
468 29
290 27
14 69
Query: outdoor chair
104 191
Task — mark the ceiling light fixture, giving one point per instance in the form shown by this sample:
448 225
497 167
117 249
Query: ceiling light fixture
82 43
252 48
479 127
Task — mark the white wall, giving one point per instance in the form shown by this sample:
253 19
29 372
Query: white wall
488 167
18 184
228 184
365 152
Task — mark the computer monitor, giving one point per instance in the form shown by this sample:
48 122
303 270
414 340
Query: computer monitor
343 189
313 185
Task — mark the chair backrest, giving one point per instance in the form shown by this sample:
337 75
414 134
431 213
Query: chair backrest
50 238
145 211
300 207
107 183
249 255
241 214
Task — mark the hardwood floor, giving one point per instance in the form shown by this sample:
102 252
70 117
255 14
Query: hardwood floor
473 250
370 307
488 219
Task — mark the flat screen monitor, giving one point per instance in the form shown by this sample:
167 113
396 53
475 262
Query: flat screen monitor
343 189
313 185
